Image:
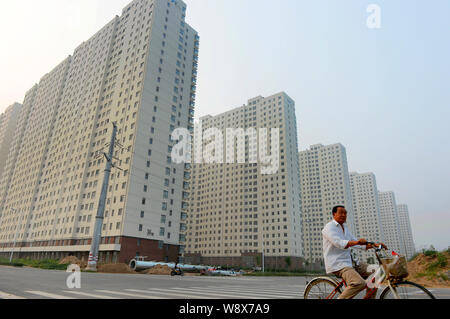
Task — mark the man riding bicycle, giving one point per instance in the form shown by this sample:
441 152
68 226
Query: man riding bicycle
337 241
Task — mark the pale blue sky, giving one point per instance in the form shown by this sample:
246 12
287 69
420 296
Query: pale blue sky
384 94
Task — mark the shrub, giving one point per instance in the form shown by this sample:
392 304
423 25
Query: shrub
14 263
441 262
430 253
443 276
288 261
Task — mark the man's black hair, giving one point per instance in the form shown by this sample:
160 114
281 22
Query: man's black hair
335 209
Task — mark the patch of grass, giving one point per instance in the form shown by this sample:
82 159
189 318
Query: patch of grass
5 262
41 264
443 276
433 269
441 262
430 253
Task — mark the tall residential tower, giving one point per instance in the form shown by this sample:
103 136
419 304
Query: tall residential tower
366 209
390 222
138 71
236 209
8 124
325 183
406 230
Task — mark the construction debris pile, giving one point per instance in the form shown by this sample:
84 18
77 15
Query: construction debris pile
158 270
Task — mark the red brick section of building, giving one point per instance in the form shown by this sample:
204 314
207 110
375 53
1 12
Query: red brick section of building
132 247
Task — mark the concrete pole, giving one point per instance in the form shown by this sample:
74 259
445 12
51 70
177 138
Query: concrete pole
15 239
263 253
93 255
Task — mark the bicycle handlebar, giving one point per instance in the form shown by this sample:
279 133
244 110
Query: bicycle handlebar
379 248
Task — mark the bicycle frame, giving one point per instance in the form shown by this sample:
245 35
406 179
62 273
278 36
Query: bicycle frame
372 290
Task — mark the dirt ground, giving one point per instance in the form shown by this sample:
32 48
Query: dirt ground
158 270
115 269
420 264
120 268
72 260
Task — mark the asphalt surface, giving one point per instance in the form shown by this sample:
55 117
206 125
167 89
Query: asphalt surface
29 283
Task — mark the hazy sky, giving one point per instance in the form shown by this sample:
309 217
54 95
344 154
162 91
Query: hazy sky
384 94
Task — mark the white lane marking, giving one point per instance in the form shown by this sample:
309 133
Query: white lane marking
282 293
169 292
129 294
247 292
270 290
210 278
48 295
90 295
5 295
214 293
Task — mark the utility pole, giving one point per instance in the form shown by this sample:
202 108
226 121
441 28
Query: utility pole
93 254
263 252
15 239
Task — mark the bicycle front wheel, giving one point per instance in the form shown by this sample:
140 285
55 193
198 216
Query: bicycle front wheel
322 288
406 290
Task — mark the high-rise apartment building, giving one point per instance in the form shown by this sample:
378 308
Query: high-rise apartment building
366 210
237 209
8 124
138 71
390 221
13 153
406 230
325 183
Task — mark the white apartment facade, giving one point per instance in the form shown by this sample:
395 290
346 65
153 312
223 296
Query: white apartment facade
140 72
8 123
390 222
324 183
366 209
235 209
406 230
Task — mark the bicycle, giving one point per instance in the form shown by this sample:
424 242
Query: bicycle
397 287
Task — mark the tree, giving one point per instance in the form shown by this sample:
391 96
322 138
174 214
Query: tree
288 262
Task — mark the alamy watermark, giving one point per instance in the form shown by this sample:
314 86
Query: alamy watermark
374 19
73 281
239 146
378 274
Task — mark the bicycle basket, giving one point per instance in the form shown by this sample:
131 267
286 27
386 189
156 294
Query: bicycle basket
396 267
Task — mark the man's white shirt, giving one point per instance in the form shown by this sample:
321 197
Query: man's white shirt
334 242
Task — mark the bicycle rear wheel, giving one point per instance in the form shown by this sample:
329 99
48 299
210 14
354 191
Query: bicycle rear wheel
406 290
322 288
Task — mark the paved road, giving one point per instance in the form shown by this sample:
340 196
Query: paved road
28 283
